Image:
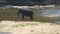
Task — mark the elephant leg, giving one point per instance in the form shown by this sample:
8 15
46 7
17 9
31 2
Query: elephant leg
31 17
22 16
18 15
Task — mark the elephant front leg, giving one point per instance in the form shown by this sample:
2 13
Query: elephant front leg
22 16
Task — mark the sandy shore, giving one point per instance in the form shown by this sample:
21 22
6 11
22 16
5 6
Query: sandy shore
26 27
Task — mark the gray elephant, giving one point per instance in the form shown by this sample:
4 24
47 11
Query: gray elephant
25 12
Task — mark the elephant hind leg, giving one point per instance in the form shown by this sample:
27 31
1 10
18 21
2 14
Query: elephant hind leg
31 18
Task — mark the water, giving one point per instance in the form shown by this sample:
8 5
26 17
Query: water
48 12
52 13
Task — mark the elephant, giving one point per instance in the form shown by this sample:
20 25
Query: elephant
25 12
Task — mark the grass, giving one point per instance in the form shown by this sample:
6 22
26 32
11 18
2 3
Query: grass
8 14
11 14
33 24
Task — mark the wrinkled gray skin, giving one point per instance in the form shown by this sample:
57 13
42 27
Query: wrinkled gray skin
25 13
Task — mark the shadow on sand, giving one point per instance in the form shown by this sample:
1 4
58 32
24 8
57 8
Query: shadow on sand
5 32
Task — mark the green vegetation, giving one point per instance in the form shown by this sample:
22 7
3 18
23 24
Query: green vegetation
31 2
11 14
33 24
8 14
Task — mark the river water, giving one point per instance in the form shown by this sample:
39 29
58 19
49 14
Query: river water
51 13
48 12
